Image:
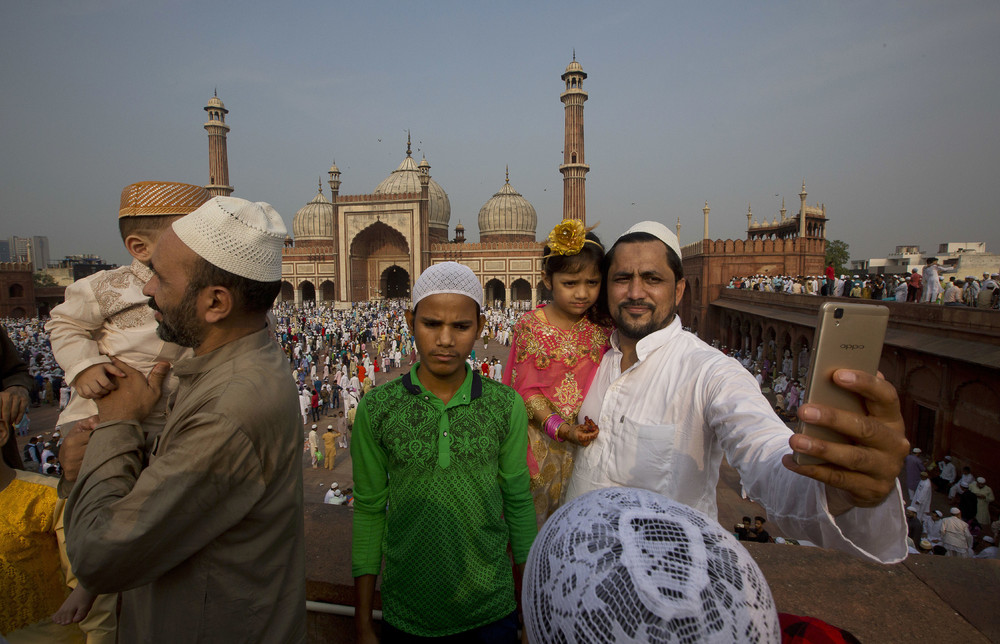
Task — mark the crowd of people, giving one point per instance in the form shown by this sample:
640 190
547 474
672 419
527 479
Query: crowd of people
927 286
191 389
967 529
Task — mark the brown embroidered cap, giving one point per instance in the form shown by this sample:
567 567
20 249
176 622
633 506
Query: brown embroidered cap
155 198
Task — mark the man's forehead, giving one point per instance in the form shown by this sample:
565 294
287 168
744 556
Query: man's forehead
447 305
639 257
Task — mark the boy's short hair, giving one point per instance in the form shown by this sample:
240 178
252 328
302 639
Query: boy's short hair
147 207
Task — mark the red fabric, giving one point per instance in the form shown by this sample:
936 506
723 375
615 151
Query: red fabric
796 629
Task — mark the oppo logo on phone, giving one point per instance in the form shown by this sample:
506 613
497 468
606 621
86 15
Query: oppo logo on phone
851 347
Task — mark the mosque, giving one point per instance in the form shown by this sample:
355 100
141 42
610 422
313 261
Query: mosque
356 247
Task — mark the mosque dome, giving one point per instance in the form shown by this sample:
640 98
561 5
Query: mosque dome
314 221
406 178
215 101
507 216
574 66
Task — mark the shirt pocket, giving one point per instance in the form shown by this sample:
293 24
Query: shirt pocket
643 456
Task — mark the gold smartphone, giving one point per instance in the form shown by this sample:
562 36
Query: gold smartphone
848 336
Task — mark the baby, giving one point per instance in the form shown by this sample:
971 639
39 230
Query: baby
107 315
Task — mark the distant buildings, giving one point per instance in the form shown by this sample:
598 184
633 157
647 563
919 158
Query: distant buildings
34 250
968 258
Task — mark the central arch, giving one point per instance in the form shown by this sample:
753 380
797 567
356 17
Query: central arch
375 250
395 283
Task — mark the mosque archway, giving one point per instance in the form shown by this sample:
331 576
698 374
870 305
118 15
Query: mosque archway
496 294
308 291
15 290
287 292
327 292
374 250
18 313
395 283
520 291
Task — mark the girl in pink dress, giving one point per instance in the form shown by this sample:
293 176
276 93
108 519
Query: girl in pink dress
554 354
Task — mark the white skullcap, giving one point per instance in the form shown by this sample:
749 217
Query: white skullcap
988 539
916 450
314 426
925 544
329 426
911 508
448 277
947 458
629 565
236 235
334 486
980 480
956 511
938 512
658 230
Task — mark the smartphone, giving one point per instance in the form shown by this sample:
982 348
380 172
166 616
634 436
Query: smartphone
848 336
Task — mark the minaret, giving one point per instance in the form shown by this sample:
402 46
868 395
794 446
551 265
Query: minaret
802 211
783 209
678 229
218 158
574 168
706 210
749 220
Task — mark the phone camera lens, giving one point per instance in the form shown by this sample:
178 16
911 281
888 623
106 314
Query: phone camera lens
838 313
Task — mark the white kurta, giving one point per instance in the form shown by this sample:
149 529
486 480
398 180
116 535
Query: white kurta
667 421
104 315
922 498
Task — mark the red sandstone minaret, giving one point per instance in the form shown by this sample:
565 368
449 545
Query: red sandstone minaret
574 168
218 158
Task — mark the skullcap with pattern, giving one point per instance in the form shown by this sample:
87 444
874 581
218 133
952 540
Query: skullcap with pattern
236 235
448 277
161 198
630 565
658 230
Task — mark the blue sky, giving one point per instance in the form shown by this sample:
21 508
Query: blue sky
887 110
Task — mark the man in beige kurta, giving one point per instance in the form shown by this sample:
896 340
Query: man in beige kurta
203 535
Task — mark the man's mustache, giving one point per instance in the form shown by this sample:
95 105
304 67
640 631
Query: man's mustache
152 305
634 303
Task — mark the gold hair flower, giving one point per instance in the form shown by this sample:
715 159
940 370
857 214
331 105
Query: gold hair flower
568 237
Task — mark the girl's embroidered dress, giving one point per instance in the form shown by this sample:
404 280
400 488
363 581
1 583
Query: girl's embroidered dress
552 368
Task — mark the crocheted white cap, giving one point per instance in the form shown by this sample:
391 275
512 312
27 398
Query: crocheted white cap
236 235
629 565
658 230
448 277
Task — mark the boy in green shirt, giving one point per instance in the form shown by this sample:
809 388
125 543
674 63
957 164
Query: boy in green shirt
441 481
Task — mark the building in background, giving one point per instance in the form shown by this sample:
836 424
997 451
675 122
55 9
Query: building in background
967 258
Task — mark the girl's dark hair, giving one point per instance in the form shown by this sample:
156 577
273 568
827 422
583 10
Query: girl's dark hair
589 254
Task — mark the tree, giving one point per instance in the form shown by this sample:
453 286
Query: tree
838 255
44 279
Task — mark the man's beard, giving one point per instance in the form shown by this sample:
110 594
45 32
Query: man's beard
635 330
180 325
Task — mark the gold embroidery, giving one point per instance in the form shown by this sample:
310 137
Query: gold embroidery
110 290
569 396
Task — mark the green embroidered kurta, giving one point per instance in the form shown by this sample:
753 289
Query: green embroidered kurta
439 491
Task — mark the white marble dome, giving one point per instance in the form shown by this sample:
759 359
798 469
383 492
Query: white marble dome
406 178
314 221
507 213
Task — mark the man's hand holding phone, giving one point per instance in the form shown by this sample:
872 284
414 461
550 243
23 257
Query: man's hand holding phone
861 472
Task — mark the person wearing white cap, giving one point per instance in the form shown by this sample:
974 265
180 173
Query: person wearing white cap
984 496
669 407
313 445
334 488
932 526
441 481
914 465
204 534
932 280
989 549
629 565
922 496
955 535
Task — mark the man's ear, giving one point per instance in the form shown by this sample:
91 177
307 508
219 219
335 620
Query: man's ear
482 323
218 301
408 315
679 290
138 247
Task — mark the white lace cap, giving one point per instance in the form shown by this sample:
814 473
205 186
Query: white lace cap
629 565
658 230
448 277
236 235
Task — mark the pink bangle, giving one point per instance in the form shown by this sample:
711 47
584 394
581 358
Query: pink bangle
551 426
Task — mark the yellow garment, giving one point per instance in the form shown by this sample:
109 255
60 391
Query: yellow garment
33 567
331 449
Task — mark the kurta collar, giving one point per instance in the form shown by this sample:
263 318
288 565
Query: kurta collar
651 342
471 388
225 353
